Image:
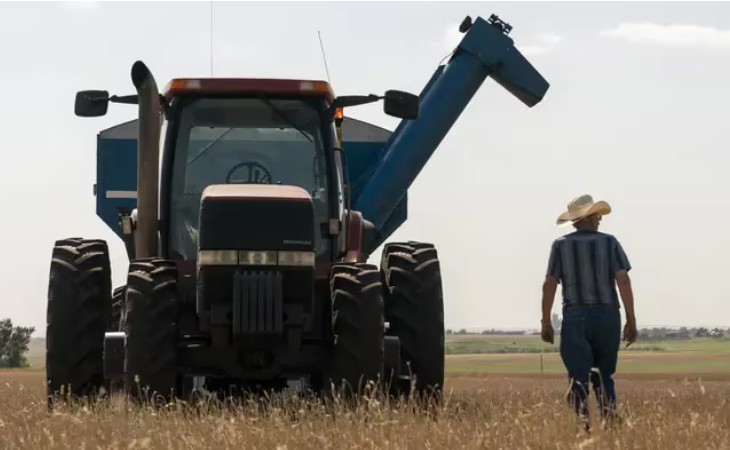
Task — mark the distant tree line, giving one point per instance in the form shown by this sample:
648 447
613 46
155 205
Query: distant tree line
683 333
491 332
645 334
14 342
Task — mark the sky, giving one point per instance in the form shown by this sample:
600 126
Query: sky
634 116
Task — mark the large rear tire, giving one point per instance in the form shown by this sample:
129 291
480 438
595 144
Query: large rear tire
151 323
414 309
358 327
79 300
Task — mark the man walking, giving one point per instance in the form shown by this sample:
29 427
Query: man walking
589 264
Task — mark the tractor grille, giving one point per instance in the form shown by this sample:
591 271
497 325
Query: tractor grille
257 303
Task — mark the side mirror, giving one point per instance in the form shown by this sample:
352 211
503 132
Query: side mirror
401 104
91 103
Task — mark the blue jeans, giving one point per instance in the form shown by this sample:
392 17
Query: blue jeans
590 337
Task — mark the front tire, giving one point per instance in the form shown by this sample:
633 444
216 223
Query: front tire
358 326
79 300
151 323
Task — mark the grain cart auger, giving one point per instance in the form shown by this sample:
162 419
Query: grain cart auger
247 260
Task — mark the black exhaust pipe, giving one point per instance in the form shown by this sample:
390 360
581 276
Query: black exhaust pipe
148 150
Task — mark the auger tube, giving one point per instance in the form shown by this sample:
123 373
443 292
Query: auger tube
485 50
148 150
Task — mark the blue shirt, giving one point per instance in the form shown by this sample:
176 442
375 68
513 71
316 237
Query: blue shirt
586 263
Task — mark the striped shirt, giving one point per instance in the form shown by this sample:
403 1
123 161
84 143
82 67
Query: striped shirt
585 263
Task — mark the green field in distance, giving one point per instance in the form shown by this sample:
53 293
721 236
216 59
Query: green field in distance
499 354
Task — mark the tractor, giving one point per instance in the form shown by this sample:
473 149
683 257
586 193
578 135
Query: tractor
249 209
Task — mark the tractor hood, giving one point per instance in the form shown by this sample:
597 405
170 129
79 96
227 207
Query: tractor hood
256 217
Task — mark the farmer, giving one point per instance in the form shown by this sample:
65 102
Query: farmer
589 264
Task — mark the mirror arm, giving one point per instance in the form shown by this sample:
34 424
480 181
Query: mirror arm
354 100
128 99
131 99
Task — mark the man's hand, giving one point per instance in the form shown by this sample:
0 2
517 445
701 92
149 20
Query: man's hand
548 296
630 333
627 295
548 334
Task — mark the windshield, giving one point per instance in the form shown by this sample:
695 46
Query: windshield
233 140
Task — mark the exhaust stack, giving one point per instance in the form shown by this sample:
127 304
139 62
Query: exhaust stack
148 150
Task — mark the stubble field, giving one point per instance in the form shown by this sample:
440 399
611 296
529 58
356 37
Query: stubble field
673 399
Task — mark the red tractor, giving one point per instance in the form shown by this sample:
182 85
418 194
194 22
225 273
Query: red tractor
248 254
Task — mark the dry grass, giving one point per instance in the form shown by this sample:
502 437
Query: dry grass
498 413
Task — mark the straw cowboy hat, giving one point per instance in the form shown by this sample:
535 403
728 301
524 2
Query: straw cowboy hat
582 207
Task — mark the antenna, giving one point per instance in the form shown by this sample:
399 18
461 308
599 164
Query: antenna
324 56
211 38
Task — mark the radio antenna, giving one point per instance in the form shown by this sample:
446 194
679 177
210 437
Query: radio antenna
324 56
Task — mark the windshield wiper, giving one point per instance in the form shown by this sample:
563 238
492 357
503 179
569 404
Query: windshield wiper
210 144
284 118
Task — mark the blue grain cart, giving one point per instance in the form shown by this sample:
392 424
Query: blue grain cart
249 208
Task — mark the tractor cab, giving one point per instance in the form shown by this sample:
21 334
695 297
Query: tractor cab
239 131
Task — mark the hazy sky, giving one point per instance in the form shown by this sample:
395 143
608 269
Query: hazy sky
634 115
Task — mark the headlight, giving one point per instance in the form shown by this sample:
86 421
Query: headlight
257 258
218 258
287 258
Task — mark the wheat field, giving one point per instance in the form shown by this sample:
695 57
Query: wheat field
505 412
